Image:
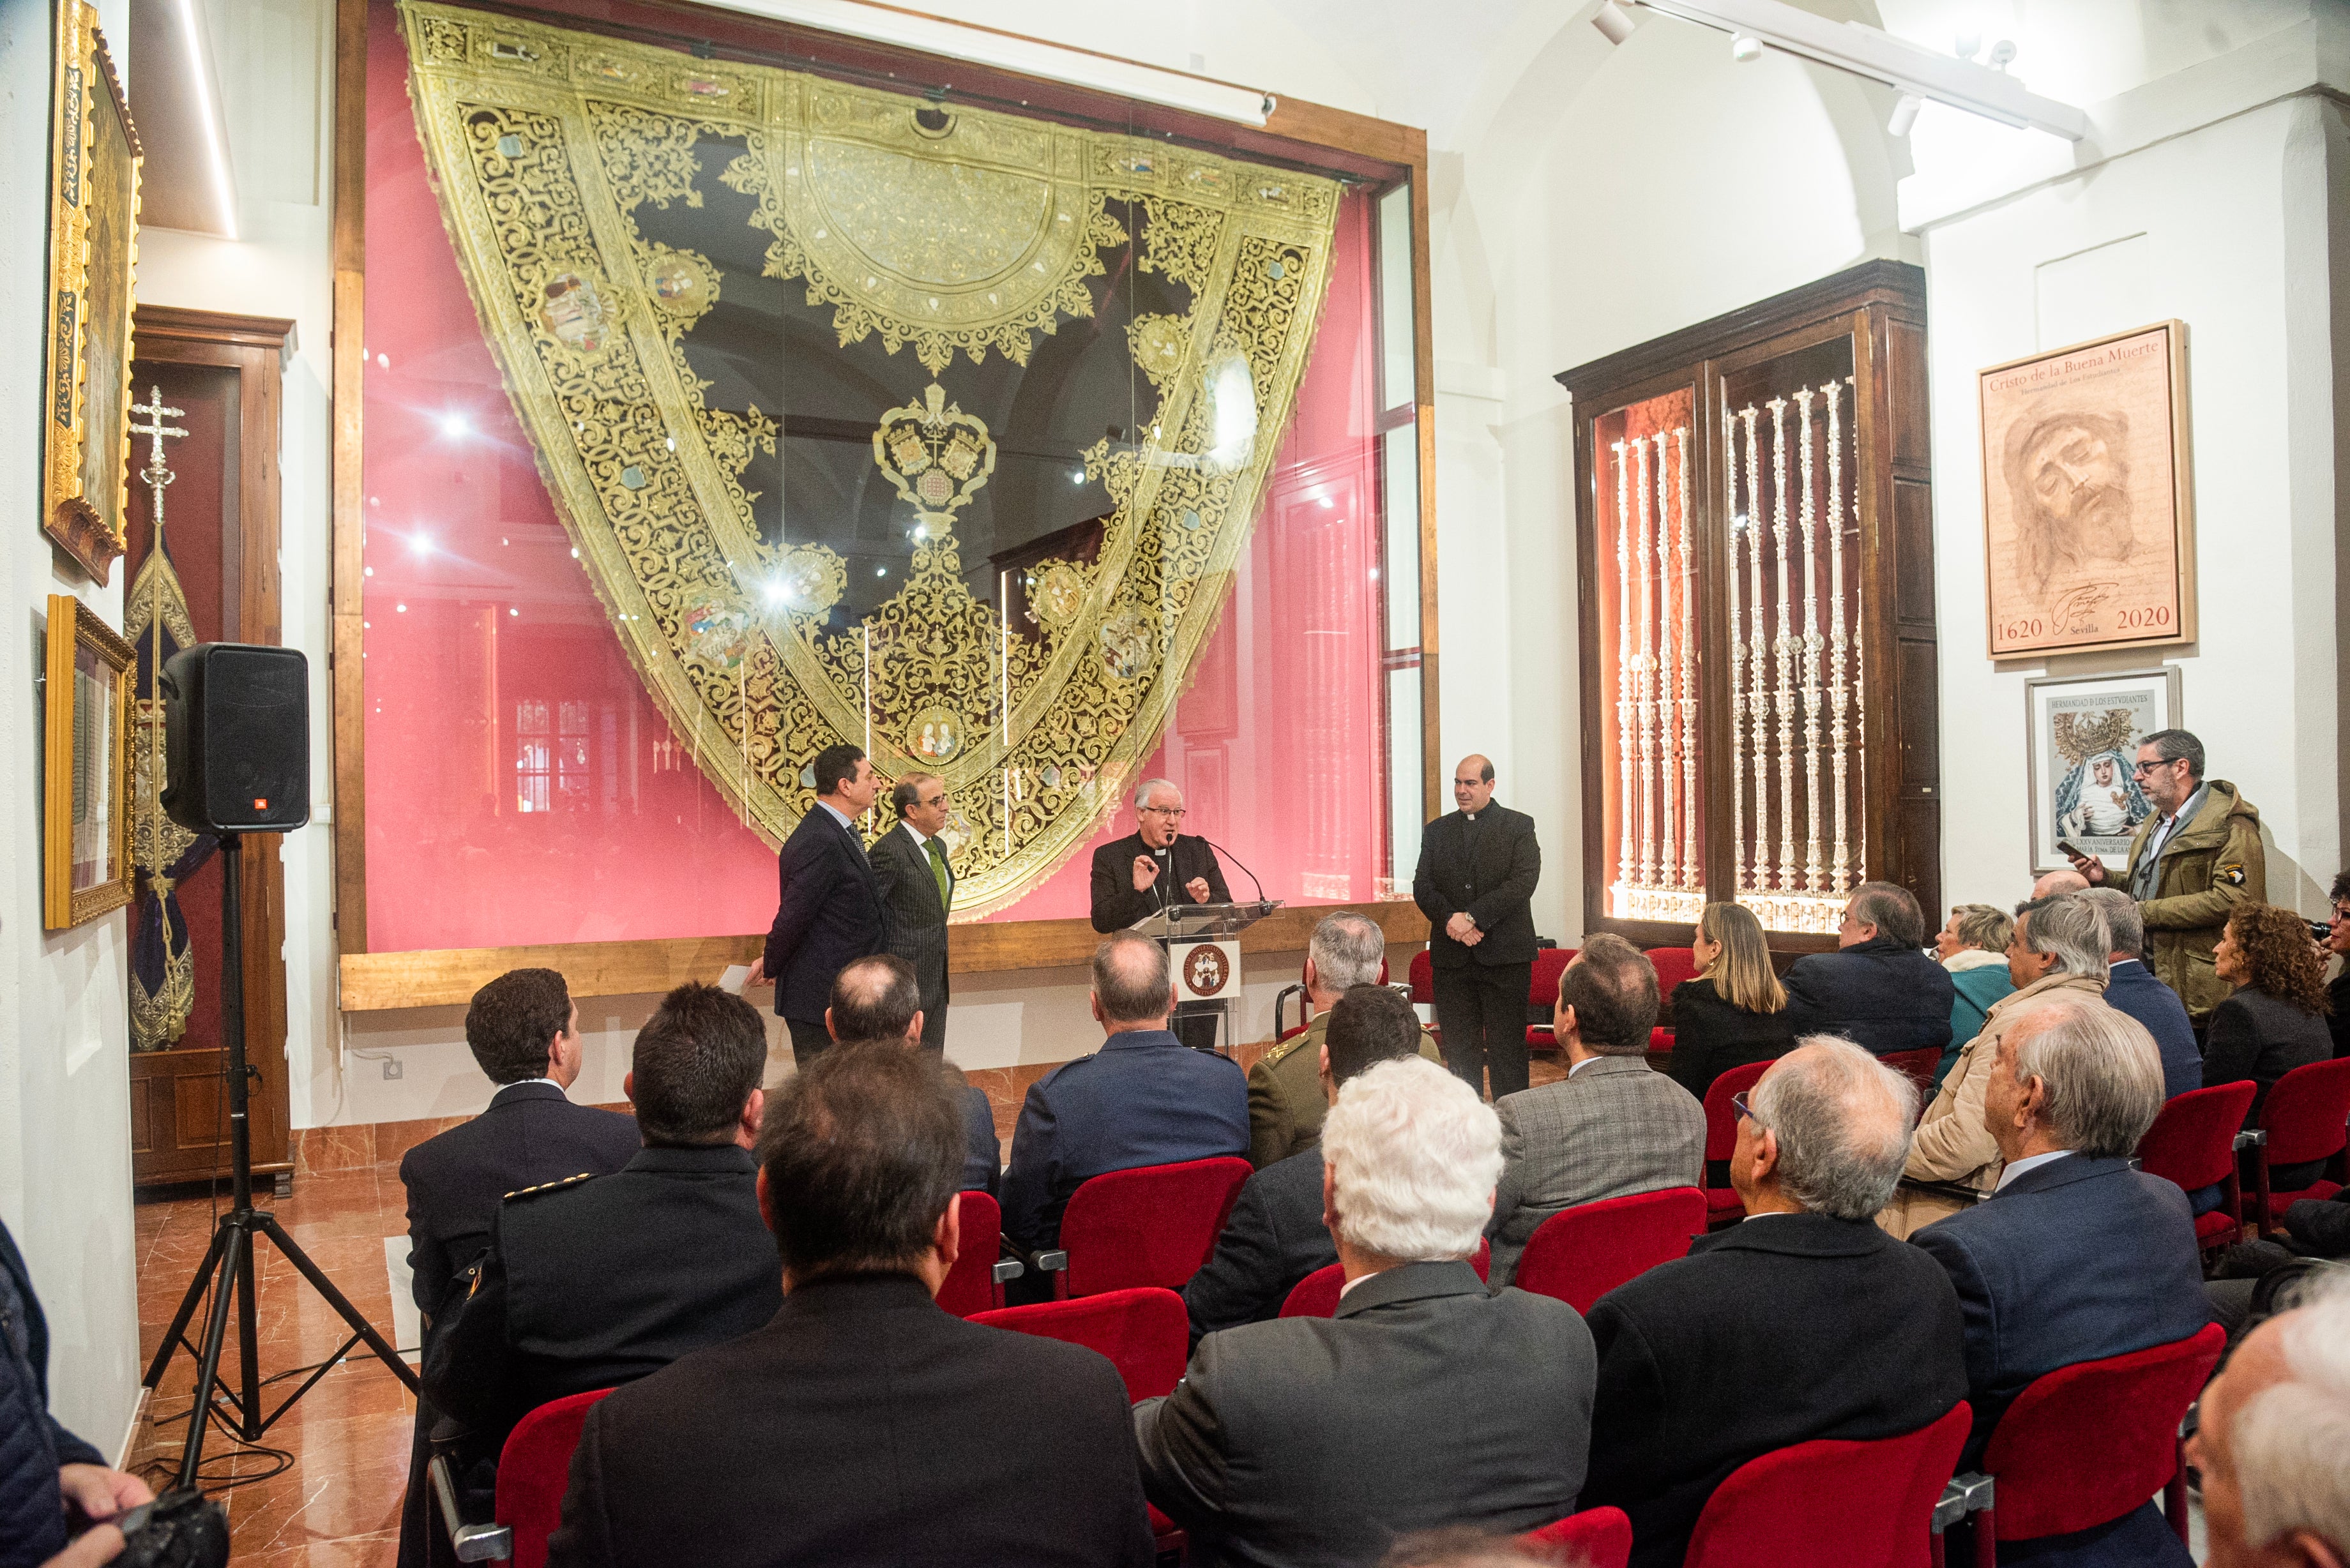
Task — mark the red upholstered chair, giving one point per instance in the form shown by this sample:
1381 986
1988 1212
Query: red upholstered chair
975 1284
2305 1117
1145 1333
1831 1501
1579 1254
1598 1537
2088 1443
1541 995
2193 1143
1721 1205
1422 975
1918 1065
534 1467
1316 1295
1673 965
1154 1225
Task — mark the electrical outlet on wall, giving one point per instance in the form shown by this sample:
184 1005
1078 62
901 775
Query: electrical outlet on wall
392 1070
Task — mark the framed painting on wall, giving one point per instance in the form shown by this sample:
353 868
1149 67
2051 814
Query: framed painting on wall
86 768
2082 737
94 158
2088 511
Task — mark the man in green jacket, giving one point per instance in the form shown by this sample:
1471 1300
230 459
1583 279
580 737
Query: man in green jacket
2193 861
1284 1089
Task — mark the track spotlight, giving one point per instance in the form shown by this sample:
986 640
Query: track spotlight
1745 46
1614 22
1905 114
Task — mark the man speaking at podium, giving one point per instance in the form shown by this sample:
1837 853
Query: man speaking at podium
1139 875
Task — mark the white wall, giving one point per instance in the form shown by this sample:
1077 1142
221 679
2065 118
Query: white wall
64 1102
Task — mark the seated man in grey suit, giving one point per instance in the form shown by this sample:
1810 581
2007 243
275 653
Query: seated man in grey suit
2075 1257
879 1000
1806 1321
1611 1127
1425 1402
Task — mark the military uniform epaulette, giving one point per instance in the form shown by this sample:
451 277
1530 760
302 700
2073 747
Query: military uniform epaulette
1274 1057
550 1186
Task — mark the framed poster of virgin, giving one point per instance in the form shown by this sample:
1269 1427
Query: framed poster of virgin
2088 511
2082 737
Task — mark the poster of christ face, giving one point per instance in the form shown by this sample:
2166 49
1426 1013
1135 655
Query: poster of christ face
2088 537
2083 736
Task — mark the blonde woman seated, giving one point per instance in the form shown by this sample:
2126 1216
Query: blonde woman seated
1974 947
2058 952
1735 1011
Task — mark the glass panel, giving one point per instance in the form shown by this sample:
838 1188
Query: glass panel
1397 338
1399 457
1407 805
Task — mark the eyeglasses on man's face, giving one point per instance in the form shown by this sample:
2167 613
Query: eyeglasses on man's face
1745 1113
2139 770
934 800
1174 810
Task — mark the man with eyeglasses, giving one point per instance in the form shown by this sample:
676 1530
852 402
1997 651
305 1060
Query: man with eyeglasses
1158 865
2192 862
910 861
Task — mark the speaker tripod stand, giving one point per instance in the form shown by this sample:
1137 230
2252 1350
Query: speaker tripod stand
227 1271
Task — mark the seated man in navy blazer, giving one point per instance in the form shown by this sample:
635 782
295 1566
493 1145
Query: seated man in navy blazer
1878 990
2132 988
1144 1098
2077 1257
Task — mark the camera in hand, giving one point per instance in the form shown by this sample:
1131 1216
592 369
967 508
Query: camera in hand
177 1529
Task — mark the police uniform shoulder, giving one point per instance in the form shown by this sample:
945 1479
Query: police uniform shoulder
545 1187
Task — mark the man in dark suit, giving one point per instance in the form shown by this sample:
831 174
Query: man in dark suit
918 889
1612 1126
1424 1403
1142 1099
1153 866
831 908
1275 1237
523 1031
1478 868
595 1280
875 1000
863 1424
2131 988
1878 990
1806 1321
2075 1257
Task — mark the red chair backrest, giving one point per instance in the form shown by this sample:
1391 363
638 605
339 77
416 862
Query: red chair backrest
1918 1065
1832 1502
1720 1121
1673 965
1316 1295
1579 1254
1422 975
969 1285
1154 1225
1597 1537
2088 1443
1146 1333
534 1468
1542 991
2305 1111
2193 1141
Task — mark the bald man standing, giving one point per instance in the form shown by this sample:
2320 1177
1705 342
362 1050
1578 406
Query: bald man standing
1478 868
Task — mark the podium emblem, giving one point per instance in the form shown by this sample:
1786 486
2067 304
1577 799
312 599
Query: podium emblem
1205 972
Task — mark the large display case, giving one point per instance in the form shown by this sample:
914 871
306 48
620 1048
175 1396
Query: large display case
1755 548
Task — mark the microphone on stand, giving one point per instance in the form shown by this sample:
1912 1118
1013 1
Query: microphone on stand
1237 860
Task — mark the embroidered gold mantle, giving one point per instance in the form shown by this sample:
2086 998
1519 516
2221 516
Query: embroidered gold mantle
941 234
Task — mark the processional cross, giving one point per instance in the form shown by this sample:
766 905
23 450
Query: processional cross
158 478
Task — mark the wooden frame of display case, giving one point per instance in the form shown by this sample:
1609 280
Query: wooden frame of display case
1880 307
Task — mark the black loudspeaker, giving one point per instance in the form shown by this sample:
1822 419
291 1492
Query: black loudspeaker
236 737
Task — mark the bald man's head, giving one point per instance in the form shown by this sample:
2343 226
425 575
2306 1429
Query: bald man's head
2055 882
1472 782
875 998
1132 986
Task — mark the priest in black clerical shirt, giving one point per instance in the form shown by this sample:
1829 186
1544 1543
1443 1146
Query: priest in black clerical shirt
1137 875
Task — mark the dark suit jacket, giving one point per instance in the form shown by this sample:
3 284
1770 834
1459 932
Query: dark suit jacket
829 914
1880 995
862 1426
1710 1036
2262 1037
33 1444
2131 988
1274 1239
1424 1403
530 1134
1495 886
1116 903
1144 1098
591 1283
2073 1260
983 1151
918 921
1777 1331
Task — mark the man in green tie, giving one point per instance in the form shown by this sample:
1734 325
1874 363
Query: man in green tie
918 887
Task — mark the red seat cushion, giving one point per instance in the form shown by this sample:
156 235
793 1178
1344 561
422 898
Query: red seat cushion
1579 1254
1154 1225
1597 1537
1831 1501
1146 1333
534 1468
2279 1202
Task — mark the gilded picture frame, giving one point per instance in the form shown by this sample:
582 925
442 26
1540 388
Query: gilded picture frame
94 165
2089 499
84 768
2081 735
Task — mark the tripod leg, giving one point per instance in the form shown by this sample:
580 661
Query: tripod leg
383 1348
248 1346
236 1249
188 1303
